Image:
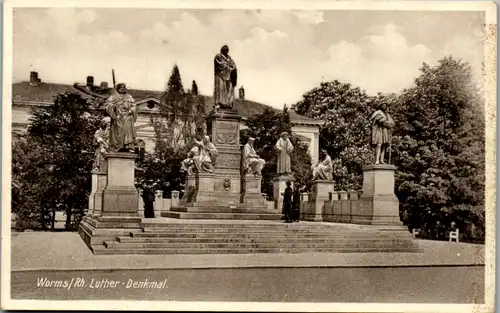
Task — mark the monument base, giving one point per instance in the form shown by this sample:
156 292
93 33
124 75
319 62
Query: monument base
94 230
120 203
120 197
209 188
95 198
214 196
252 192
379 205
279 186
321 190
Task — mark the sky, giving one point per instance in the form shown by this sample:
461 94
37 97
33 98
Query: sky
280 54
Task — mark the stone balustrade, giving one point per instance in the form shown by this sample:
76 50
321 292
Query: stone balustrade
342 206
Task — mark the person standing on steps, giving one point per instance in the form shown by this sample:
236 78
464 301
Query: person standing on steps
296 204
287 202
148 197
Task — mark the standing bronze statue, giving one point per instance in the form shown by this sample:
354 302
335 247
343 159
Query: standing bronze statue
123 112
382 124
121 108
225 79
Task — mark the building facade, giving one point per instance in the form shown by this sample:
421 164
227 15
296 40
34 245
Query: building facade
35 92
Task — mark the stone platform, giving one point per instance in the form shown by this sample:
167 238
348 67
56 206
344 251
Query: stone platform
224 194
239 211
173 236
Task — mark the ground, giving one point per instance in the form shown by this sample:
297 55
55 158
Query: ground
381 284
443 273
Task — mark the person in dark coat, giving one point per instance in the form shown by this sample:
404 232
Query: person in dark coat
296 204
287 202
148 196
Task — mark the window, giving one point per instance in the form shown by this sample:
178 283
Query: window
140 149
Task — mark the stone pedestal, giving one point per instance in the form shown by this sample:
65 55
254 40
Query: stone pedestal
200 188
304 199
141 202
175 199
222 194
158 205
252 194
120 204
120 197
321 190
379 205
279 186
224 129
95 197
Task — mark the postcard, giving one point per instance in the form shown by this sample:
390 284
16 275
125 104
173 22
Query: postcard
216 155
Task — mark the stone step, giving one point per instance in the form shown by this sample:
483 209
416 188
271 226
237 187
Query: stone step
217 206
252 245
204 237
162 251
257 229
225 233
261 210
112 225
269 225
270 231
222 216
123 239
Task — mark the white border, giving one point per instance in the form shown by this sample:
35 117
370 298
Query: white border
490 114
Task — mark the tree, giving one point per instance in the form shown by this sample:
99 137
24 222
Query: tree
439 148
174 85
27 186
182 116
194 88
266 129
346 132
52 164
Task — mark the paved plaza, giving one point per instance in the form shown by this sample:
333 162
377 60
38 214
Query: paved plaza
442 272
66 251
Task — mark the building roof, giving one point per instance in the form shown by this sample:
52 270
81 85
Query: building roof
44 93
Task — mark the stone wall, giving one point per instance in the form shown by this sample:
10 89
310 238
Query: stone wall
341 207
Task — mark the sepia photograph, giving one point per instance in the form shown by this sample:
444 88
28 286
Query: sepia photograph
256 155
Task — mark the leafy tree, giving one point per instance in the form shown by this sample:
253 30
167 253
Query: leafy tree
346 132
182 116
51 165
266 129
27 187
440 144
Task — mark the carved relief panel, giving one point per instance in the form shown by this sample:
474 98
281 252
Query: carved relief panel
226 133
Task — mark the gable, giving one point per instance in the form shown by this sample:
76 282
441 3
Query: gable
148 105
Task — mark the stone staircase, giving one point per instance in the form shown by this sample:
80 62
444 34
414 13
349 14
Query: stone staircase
223 212
258 237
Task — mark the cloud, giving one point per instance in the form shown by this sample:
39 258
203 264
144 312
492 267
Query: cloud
280 54
381 62
309 17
